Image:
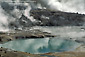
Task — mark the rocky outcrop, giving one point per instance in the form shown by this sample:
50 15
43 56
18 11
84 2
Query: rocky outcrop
22 22
13 35
57 18
25 22
45 17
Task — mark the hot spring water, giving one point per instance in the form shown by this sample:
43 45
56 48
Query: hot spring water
36 46
44 45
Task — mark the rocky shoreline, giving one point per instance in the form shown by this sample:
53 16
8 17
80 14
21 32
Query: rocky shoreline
13 35
4 52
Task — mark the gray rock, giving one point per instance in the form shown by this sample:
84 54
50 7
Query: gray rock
25 22
57 18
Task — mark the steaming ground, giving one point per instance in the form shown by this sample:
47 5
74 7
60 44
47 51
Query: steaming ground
9 12
3 21
64 5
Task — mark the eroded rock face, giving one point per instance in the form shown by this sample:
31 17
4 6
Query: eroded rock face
57 18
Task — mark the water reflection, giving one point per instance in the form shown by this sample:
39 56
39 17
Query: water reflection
42 45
